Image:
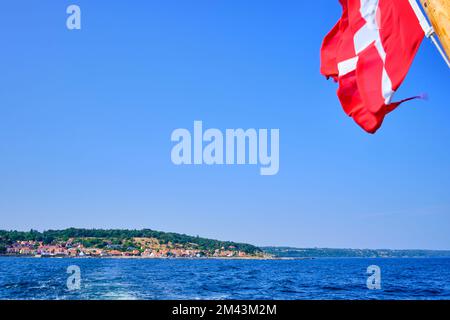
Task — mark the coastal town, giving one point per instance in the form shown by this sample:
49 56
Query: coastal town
119 243
142 247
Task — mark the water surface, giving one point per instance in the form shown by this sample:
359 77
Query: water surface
31 278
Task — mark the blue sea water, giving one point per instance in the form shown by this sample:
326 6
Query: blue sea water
29 278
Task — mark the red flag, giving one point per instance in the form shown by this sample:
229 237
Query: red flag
369 52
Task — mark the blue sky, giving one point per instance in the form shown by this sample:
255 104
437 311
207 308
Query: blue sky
86 118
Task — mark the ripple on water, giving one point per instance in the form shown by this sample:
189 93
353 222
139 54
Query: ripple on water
224 279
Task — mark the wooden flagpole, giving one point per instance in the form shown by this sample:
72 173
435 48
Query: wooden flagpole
438 11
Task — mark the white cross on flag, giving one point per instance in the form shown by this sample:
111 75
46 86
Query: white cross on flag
369 52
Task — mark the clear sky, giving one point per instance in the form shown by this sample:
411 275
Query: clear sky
86 118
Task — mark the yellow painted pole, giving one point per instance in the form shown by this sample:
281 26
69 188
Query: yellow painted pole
438 11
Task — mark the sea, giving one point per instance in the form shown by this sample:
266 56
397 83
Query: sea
215 279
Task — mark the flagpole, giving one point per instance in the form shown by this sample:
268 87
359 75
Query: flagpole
436 43
428 29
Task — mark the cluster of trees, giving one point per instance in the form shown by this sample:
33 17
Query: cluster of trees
96 237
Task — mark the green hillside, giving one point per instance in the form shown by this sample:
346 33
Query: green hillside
99 237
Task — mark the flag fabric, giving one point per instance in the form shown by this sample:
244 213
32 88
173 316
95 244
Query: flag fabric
369 52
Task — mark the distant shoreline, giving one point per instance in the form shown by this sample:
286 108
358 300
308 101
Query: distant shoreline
216 258
151 244
289 252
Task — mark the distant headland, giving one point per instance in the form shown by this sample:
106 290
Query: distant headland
293 253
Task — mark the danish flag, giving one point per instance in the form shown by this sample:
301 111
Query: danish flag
369 52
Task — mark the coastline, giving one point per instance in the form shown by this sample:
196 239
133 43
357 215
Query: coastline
215 258
152 258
